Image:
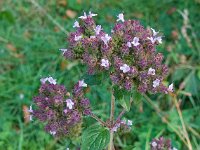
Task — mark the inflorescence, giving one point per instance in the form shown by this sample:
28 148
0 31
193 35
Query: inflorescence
161 144
128 54
58 108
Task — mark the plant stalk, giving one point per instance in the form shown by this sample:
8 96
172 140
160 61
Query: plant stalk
112 110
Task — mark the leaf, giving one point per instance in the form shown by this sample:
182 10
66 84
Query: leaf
95 138
95 79
137 97
123 96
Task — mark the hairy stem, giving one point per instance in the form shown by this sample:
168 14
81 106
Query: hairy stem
99 120
112 110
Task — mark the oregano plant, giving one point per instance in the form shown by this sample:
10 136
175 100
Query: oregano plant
127 57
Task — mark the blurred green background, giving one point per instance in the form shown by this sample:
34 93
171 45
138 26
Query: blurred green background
32 31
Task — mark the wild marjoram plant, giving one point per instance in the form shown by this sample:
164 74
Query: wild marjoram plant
128 56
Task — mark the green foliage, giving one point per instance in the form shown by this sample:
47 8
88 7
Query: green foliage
95 137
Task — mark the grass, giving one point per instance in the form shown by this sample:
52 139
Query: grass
31 32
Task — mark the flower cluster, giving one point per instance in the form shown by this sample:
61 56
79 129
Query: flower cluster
129 53
122 124
58 108
161 144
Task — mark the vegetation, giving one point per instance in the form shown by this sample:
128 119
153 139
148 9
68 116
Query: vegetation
31 32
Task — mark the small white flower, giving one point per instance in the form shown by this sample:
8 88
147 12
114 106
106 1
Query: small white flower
151 71
84 16
105 63
120 17
63 50
97 29
52 80
154 144
129 123
159 39
156 83
52 132
76 24
82 83
77 38
67 149
92 36
174 148
128 44
49 79
171 87
91 14
151 39
30 109
125 68
135 41
70 104
43 80
154 32
106 39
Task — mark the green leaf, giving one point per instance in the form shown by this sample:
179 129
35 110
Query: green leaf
123 96
95 138
137 97
95 79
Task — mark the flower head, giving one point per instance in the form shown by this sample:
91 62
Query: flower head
70 104
125 68
91 14
97 29
154 32
129 123
171 87
105 63
120 17
135 41
84 16
82 83
77 38
76 24
128 44
156 83
154 144
49 79
106 39
151 71
30 109
63 50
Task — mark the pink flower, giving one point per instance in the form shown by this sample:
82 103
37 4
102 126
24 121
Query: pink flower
97 29
106 39
70 104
